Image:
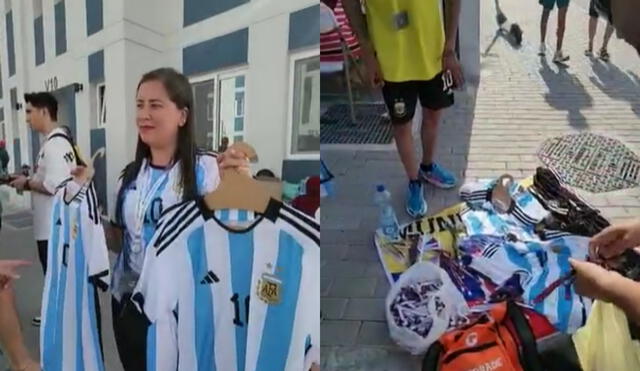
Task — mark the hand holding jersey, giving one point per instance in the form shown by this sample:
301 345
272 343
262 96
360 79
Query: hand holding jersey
206 254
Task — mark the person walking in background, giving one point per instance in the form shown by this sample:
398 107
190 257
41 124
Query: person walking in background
409 54
593 27
547 7
4 158
54 164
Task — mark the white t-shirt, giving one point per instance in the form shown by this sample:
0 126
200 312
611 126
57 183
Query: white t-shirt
55 162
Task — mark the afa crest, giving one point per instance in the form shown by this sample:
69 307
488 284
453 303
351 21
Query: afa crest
269 288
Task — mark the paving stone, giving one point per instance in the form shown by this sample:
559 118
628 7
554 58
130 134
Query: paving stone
333 308
367 309
345 287
339 332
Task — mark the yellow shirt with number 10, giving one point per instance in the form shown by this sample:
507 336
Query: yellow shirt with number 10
413 52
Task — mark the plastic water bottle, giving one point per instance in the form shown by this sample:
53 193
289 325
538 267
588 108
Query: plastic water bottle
388 221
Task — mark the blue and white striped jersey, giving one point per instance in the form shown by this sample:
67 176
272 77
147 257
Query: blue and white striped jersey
245 299
481 218
78 263
510 245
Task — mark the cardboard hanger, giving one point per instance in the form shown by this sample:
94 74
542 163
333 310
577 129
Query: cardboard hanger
238 190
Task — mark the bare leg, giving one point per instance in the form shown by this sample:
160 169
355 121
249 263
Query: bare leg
607 36
543 24
562 21
404 143
430 120
593 27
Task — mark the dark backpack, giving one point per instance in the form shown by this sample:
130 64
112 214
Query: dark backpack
76 156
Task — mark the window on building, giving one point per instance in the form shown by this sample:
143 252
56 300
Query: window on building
203 113
38 32
4 131
219 109
305 121
59 11
232 107
102 105
15 127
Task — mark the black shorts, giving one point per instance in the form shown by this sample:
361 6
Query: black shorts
592 9
401 97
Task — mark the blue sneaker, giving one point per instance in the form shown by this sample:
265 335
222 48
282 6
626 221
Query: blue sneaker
416 204
439 176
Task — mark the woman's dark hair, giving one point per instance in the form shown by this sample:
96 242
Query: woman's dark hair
44 100
179 91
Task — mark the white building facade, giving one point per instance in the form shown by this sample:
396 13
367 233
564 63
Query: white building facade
253 65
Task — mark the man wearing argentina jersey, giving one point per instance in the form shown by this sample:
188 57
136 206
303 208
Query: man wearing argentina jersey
78 263
246 294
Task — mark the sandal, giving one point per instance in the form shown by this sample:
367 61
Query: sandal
604 55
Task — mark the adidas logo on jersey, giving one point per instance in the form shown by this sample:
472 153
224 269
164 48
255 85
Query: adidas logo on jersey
210 278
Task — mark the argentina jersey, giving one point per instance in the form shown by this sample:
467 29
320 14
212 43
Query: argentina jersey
245 299
537 269
481 218
155 189
78 263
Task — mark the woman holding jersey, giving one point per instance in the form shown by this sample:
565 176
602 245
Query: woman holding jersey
167 169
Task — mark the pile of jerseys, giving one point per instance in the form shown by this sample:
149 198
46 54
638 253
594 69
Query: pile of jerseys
78 264
519 255
229 290
412 307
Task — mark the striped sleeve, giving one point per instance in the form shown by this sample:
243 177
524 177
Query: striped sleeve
302 223
175 221
207 172
157 292
156 296
94 241
161 260
305 345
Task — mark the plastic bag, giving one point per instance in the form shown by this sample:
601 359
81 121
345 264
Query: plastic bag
445 307
605 343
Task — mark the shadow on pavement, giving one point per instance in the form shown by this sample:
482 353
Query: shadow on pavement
566 93
617 84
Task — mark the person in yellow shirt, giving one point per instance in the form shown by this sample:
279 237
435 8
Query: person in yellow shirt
409 53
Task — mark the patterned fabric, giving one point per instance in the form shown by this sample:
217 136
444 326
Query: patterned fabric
331 43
